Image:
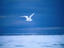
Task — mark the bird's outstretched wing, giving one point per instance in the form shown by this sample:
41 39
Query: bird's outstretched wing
24 16
31 15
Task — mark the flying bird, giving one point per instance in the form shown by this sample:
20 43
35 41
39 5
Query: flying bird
28 18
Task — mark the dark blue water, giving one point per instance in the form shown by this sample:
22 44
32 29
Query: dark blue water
48 13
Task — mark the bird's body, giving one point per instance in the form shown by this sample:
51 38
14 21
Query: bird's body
28 18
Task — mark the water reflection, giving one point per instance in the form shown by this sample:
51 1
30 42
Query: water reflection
43 41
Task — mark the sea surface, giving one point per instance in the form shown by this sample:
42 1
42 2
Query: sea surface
32 41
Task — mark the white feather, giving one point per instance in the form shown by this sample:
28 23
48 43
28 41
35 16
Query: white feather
28 18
